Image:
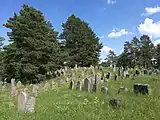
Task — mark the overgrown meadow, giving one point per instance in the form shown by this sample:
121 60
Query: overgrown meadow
62 103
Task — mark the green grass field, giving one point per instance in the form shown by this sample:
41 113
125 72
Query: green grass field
64 104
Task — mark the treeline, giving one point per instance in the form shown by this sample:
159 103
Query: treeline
36 49
139 53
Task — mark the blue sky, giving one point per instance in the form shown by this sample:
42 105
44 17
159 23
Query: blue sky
114 21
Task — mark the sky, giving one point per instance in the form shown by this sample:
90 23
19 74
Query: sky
113 21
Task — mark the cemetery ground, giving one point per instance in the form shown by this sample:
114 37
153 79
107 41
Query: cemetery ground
61 103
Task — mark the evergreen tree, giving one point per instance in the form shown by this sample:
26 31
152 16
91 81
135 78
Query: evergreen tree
34 47
82 45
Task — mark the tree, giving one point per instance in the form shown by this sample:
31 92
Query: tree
1 56
82 45
147 51
34 47
157 56
111 57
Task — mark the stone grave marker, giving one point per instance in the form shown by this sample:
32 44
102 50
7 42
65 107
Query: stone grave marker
71 86
141 89
19 84
115 103
30 104
122 89
13 91
79 87
22 100
46 86
4 88
115 77
12 82
87 85
104 89
35 90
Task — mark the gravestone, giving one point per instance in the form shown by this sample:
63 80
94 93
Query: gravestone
115 103
141 89
22 100
46 86
115 77
145 72
87 85
19 84
35 91
71 86
137 72
119 72
12 82
79 87
30 104
13 91
95 84
104 89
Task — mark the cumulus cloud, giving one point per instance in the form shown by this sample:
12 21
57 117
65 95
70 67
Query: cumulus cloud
106 49
151 10
150 28
111 2
116 34
156 42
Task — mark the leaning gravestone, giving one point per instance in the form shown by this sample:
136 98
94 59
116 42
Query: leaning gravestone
87 85
79 87
71 86
22 100
115 103
30 105
104 89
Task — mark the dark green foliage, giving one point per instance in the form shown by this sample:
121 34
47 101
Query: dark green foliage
82 45
34 47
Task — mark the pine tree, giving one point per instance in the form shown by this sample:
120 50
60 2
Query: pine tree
34 47
82 45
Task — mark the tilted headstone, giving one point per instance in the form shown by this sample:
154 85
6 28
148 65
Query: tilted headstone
141 89
79 87
115 103
104 89
30 104
22 101
87 85
71 86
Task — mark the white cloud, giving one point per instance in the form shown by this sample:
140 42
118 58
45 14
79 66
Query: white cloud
111 2
106 49
151 10
116 34
156 42
150 28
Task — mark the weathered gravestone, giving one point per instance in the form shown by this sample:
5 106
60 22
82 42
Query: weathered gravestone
137 72
35 90
141 89
104 89
145 72
115 103
95 84
22 100
87 85
71 85
12 82
46 86
30 104
13 91
79 87
119 72
19 84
